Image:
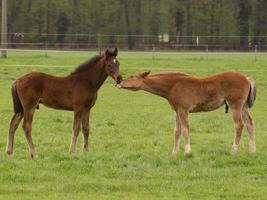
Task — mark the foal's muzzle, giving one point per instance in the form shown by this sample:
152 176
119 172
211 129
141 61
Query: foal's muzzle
119 79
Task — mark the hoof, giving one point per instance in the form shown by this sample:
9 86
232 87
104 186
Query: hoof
85 148
187 149
252 147
34 156
9 152
233 152
71 151
234 149
252 150
175 152
188 152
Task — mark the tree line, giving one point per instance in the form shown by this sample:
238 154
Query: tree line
134 23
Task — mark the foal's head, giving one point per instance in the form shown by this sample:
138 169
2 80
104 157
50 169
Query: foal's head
133 82
112 65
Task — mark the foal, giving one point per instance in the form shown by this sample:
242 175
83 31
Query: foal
187 93
75 92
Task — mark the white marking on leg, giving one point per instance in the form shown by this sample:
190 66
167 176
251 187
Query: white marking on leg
234 148
252 146
187 148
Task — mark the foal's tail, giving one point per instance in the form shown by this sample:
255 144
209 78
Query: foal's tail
16 101
252 93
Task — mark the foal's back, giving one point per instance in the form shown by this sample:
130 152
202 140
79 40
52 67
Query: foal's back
222 82
227 83
209 93
38 87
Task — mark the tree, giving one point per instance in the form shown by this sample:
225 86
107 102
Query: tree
100 21
243 19
63 23
260 26
130 38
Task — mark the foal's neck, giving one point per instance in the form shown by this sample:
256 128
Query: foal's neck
94 76
157 86
97 75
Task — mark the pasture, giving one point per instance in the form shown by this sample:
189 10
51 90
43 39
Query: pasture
131 136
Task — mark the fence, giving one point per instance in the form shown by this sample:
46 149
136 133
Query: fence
135 42
154 45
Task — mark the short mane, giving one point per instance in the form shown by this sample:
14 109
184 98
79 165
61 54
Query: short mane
171 73
83 67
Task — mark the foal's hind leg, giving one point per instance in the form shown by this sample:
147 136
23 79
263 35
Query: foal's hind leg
183 116
14 123
76 129
250 128
27 127
238 129
85 129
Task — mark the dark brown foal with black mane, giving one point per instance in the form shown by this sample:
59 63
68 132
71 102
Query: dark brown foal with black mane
76 92
187 93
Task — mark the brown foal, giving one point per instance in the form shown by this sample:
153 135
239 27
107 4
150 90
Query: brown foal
187 93
76 92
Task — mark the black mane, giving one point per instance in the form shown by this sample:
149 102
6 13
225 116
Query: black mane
83 67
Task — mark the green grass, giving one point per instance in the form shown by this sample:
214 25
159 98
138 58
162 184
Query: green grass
132 136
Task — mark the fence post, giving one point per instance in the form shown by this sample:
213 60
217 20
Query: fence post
207 51
255 52
99 43
4 30
45 48
153 52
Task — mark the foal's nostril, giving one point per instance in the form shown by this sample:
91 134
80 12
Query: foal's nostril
119 79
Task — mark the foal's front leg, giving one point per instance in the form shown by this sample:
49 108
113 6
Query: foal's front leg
85 129
177 134
76 129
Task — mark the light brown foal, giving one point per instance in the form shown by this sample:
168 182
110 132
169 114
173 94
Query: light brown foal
75 92
187 93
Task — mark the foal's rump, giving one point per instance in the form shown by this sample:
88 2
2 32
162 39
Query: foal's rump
36 87
238 88
26 90
227 88
16 101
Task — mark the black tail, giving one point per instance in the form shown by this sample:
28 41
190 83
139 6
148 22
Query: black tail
252 93
16 101
226 108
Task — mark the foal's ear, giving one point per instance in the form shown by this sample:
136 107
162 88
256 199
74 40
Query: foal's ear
144 74
115 52
107 54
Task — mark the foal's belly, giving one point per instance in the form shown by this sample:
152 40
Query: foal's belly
55 104
207 106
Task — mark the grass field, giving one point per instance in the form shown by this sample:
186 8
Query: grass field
132 136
